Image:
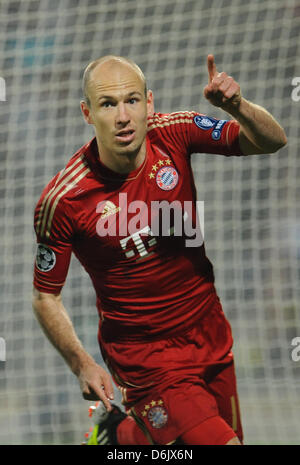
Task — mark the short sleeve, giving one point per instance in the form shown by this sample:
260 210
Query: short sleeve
54 233
210 135
189 132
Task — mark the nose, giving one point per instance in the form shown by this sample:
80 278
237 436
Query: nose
122 115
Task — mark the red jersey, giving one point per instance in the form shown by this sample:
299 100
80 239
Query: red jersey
148 283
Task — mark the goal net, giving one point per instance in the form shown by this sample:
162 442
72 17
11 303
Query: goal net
252 215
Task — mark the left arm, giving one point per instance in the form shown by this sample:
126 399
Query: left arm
259 131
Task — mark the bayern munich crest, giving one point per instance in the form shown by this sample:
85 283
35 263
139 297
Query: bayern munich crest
158 416
167 178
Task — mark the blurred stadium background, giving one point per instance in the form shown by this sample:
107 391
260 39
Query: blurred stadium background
252 213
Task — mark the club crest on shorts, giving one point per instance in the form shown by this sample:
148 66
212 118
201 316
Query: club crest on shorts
156 413
158 417
167 178
45 258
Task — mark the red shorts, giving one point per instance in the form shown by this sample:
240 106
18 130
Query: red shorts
172 385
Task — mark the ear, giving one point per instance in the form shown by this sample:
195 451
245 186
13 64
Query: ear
150 103
86 112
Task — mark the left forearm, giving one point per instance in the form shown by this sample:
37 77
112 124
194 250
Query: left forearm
258 126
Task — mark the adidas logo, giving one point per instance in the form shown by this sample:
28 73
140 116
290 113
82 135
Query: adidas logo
109 209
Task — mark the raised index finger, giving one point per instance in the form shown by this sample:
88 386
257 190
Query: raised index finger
211 66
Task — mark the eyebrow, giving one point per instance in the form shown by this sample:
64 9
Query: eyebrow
135 92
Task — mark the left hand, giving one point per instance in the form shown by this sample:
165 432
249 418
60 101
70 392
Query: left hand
222 90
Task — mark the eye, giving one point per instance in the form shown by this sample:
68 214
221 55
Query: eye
133 100
106 104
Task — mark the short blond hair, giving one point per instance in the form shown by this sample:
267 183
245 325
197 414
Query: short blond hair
91 66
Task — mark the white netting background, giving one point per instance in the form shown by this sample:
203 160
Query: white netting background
252 224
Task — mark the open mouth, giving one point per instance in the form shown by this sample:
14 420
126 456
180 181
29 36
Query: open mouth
126 135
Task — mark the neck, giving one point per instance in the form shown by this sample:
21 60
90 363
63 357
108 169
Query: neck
124 162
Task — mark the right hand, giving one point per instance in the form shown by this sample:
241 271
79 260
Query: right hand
95 384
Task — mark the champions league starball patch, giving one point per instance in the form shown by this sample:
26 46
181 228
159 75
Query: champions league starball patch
157 416
167 178
45 258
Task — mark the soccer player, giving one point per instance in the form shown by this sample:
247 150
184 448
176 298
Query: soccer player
125 205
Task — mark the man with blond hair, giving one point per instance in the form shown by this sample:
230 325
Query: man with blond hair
162 331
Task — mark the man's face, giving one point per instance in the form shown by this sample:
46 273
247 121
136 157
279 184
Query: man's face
118 109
